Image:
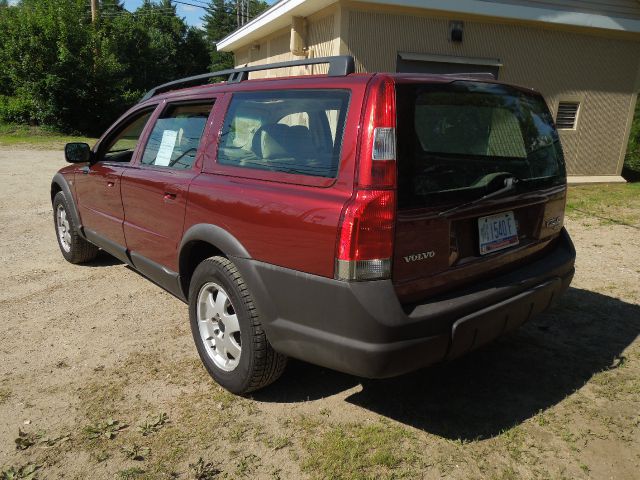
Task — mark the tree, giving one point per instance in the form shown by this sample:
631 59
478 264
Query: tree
61 70
219 21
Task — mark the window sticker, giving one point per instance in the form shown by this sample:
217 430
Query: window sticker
167 145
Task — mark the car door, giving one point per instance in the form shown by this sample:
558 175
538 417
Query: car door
98 184
154 190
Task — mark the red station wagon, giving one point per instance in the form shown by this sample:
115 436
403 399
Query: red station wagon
369 223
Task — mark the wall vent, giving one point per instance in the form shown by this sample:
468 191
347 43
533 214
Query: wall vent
567 116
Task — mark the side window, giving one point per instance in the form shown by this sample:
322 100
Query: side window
175 137
121 146
294 131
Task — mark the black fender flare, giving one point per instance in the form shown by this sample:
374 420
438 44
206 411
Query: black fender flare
217 237
213 235
59 180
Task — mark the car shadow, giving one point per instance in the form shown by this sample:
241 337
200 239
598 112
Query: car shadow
104 259
495 388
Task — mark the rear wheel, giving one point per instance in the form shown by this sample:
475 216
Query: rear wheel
227 330
73 247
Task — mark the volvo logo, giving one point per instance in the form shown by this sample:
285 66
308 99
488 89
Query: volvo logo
416 257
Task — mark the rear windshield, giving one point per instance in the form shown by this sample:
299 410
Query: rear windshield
456 140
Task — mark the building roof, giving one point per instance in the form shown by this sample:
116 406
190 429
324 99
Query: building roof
279 16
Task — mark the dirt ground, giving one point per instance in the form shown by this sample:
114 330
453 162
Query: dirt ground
99 378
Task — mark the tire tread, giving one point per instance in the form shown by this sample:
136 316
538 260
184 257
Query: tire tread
82 251
268 364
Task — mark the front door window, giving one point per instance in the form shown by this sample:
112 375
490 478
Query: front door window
120 147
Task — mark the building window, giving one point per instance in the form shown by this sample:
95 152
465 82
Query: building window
567 116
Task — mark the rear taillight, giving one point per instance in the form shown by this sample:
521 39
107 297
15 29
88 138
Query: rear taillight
365 242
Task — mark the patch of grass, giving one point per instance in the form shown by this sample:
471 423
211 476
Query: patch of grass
514 441
136 452
152 425
507 474
615 203
5 394
202 470
25 440
25 472
247 465
357 451
130 473
279 443
107 429
101 399
36 137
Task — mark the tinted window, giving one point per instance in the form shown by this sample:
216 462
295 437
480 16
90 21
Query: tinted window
121 146
298 131
175 137
456 141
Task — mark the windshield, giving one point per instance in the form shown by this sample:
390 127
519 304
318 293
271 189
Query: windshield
458 141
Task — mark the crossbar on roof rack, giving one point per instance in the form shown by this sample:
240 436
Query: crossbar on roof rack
339 66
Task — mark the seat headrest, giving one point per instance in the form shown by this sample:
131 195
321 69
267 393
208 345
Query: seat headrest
270 141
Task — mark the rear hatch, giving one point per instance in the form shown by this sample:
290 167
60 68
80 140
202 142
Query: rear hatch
481 184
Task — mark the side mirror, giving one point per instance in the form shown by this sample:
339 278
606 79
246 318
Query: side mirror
77 152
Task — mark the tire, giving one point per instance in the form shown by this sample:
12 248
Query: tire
227 331
73 247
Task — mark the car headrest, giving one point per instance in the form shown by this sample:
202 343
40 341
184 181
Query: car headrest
270 141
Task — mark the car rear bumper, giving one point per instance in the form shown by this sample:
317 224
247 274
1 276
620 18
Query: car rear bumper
362 329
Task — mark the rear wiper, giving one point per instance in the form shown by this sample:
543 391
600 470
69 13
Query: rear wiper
509 185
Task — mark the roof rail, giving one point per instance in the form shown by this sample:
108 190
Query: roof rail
339 66
472 76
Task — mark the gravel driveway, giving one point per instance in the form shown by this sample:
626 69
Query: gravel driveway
99 378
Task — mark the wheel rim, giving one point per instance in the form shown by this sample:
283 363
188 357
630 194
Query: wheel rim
64 229
219 327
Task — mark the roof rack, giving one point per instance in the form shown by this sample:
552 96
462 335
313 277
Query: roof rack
339 66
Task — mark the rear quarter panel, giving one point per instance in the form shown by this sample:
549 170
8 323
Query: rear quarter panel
283 219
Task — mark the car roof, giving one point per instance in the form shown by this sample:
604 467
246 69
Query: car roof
251 84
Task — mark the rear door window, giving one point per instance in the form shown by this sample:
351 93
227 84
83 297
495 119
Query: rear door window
175 138
295 131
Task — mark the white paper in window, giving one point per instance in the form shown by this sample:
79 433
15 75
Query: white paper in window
167 145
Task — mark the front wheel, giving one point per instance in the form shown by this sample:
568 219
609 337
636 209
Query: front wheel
227 330
73 247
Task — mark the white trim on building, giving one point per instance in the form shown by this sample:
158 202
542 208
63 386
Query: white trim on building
279 16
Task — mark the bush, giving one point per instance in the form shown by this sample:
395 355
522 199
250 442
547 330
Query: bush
631 170
16 110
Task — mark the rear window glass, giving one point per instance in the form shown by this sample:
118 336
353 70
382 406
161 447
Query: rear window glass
457 141
296 131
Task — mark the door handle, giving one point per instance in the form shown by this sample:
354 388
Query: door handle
169 196
110 184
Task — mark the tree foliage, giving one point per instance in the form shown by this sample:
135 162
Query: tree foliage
63 71
632 159
219 21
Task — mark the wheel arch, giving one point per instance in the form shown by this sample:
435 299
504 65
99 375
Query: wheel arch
59 184
202 241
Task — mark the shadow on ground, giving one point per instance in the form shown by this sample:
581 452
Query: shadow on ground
495 388
103 259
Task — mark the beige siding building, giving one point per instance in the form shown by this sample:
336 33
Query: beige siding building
583 55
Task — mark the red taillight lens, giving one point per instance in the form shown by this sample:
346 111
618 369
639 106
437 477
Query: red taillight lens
377 163
365 244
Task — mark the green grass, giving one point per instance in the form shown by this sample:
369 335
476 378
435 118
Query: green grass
24 136
360 451
609 203
5 394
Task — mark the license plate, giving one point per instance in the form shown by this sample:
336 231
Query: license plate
497 232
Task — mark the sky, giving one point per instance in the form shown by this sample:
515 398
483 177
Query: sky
191 13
